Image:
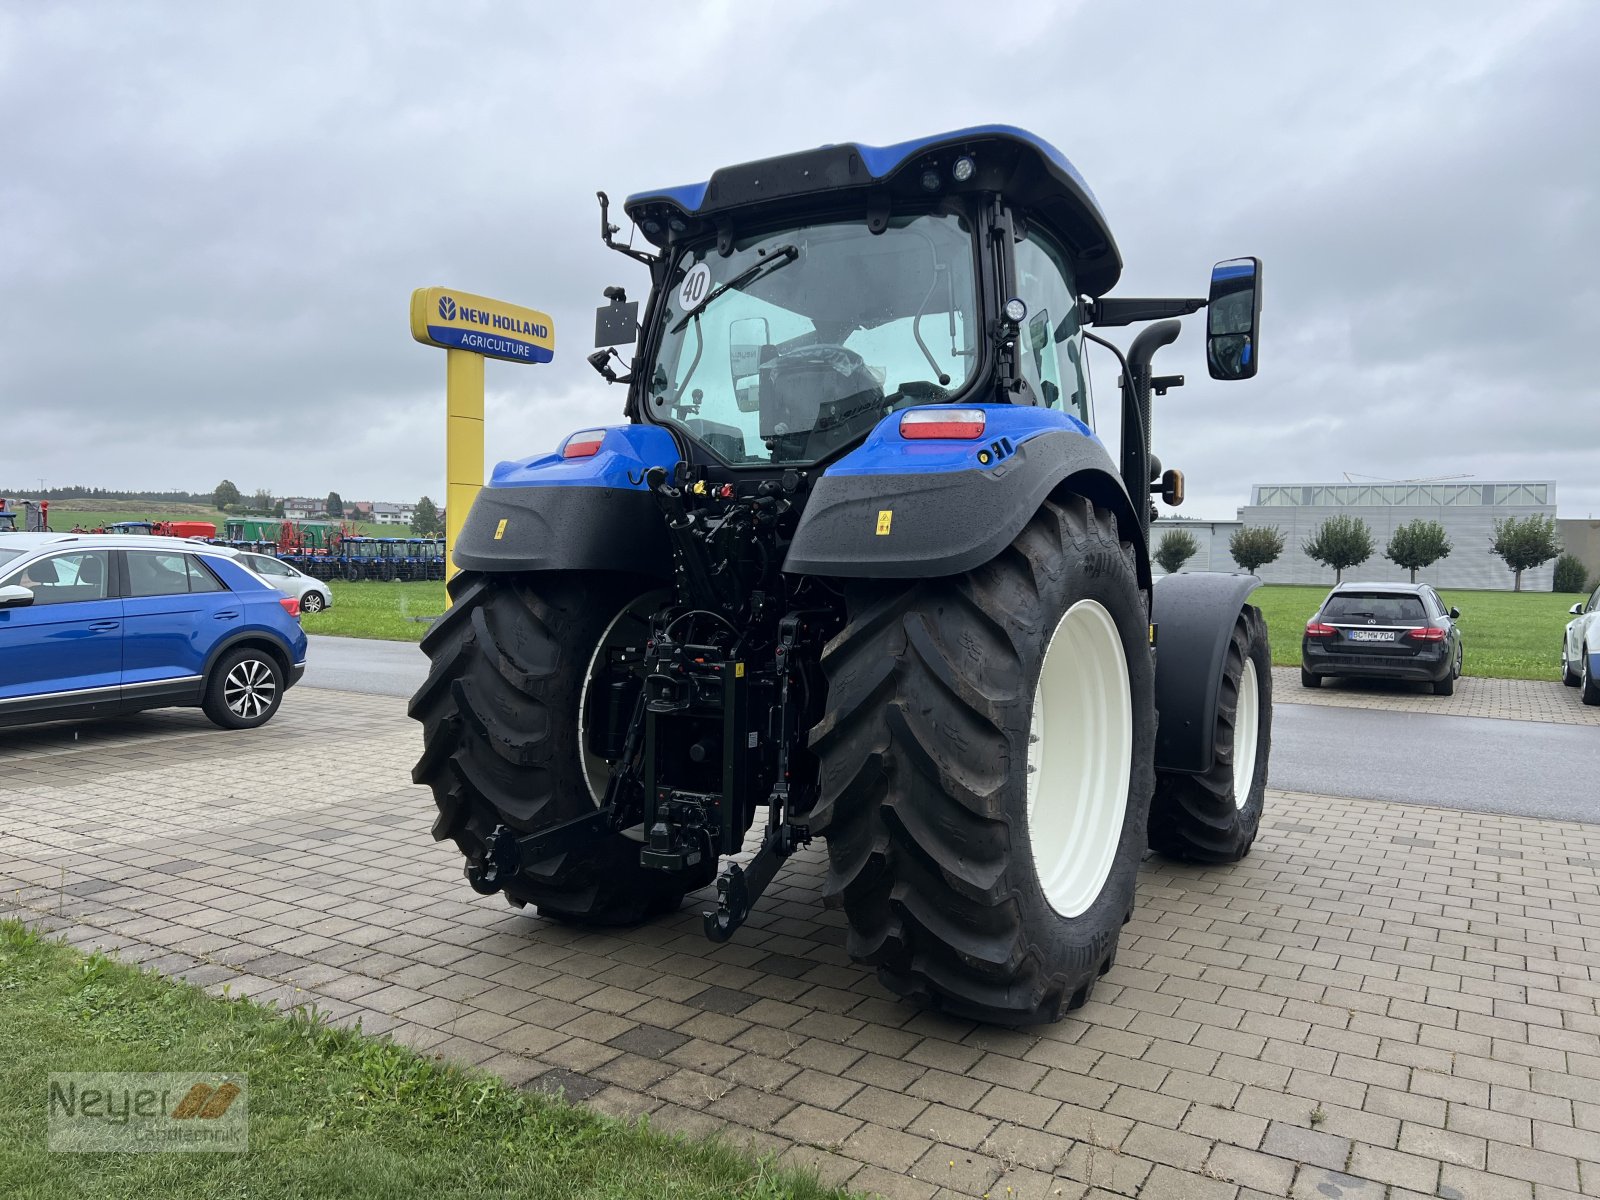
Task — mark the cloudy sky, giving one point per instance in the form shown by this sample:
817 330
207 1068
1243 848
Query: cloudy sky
213 216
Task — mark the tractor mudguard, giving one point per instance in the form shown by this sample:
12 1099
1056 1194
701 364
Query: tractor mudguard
906 509
1194 616
593 513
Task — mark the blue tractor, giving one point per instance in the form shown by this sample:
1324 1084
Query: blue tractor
858 559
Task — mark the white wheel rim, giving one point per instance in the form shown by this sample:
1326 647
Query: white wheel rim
596 770
1246 732
1080 758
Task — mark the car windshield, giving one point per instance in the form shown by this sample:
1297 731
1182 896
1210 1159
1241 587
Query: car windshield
1380 608
800 340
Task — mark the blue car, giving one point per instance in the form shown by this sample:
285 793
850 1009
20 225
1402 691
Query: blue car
94 625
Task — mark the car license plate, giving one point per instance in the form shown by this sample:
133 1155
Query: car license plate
1371 635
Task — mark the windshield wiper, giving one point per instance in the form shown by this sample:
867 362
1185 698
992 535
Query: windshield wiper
782 256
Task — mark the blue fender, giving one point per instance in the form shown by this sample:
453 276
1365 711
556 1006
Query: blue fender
550 513
895 508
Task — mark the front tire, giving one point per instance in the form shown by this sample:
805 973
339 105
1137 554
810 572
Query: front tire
986 771
243 690
1568 676
312 602
501 739
1589 684
1214 817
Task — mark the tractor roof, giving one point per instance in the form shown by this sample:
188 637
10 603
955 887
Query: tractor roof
1026 169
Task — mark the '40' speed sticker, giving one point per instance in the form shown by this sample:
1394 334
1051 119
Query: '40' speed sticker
694 287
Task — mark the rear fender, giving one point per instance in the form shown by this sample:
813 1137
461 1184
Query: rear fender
1194 615
574 514
899 509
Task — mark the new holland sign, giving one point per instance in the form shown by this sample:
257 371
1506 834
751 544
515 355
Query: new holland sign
461 321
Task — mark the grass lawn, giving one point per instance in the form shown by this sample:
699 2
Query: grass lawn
372 609
1507 635
332 1113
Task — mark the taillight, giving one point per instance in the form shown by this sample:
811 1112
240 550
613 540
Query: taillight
964 424
1427 633
1318 630
290 605
583 445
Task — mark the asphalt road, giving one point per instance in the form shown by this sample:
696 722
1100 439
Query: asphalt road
362 665
1524 768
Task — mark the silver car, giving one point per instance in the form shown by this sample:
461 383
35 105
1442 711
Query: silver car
314 594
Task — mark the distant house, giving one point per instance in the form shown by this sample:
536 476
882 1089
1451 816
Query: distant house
384 513
358 510
298 508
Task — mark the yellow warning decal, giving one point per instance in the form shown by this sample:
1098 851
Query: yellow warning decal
738 670
500 529
885 516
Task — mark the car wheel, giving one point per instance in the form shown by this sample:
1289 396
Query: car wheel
1307 679
1568 676
1591 685
312 602
244 690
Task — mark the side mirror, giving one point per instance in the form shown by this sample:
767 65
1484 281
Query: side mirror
1576 610
1454 613
747 338
15 596
1233 315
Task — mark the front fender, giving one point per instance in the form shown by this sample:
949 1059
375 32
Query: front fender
1194 616
899 509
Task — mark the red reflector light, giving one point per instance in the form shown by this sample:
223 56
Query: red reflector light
583 445
1426 634
1318 629
964 424
290 605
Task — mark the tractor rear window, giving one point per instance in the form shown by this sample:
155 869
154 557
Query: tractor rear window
1382 608
800 341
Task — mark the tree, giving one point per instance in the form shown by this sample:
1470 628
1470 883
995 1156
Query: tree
1525 543
261 500
1340 542
226 494
1177 547
277 508
425 519
1417 544
334 506
1254 548
1571 576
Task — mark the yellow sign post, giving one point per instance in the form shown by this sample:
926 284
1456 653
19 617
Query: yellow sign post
471 328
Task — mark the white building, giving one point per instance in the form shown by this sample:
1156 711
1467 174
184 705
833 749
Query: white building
1466 509
384 513
298 508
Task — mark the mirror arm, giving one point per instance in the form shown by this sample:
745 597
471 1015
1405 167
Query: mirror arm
607 229
1126 310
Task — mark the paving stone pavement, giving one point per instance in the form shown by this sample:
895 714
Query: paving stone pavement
1382 1001
1508 699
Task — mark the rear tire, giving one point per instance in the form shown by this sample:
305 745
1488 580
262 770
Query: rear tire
931 738
1308 680
1214 817
500 717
